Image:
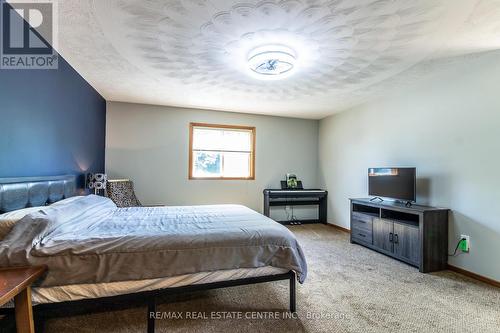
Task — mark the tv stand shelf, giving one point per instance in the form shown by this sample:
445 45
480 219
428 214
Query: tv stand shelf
417 235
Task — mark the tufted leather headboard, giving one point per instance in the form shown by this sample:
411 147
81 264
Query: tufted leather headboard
17 193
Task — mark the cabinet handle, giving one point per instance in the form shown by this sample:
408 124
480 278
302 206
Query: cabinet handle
390 237
361 235
396 238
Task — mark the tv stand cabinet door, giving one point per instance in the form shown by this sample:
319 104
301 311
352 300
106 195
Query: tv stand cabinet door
407 242
383 234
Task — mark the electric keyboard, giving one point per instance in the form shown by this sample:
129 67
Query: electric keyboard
295 191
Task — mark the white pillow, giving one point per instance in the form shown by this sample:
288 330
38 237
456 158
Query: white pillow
8 220
66 201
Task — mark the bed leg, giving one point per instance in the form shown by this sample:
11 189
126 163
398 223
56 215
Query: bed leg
39 323
151 314
293 305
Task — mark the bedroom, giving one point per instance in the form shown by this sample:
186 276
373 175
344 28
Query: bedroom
202 115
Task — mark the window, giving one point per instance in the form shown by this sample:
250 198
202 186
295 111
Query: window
221 152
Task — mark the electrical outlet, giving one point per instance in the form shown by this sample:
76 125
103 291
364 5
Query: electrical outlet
465 244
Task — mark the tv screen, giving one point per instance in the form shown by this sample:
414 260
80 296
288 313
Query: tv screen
395 183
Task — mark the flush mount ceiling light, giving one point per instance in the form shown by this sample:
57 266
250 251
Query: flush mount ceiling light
271 62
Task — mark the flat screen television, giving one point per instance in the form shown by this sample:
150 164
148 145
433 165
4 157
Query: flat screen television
394 183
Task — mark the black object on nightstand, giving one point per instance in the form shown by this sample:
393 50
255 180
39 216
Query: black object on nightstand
297 197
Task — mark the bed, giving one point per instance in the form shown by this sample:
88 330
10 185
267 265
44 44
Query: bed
96 252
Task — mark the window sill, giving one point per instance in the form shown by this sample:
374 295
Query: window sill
221 178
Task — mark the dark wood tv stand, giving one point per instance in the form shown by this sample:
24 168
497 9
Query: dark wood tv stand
417 235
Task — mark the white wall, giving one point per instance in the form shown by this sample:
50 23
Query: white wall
149 144
449 128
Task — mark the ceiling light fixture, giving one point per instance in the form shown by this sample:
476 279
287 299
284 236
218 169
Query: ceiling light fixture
271 62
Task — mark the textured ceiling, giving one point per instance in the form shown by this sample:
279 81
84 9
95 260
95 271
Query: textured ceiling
192 53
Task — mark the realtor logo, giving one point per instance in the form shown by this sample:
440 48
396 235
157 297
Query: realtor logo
28 34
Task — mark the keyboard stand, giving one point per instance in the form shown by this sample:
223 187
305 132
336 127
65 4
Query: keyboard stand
277 197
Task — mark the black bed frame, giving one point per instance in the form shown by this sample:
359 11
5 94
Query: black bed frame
43 312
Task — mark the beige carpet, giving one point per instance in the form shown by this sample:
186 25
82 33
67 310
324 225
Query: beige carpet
349 289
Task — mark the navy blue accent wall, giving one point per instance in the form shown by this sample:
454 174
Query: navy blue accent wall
52 122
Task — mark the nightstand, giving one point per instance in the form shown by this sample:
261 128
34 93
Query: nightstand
15 283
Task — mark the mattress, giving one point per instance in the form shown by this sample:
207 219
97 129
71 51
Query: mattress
96 290
91 241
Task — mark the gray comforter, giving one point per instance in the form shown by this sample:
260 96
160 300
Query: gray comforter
90 240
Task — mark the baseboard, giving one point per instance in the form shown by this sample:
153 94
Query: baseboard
339 227
475 276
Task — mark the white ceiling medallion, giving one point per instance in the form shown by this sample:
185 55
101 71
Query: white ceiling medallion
271 62
338 45
196 53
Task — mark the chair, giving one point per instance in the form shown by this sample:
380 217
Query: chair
122 193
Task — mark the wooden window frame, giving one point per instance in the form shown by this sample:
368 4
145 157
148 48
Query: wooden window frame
234 127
